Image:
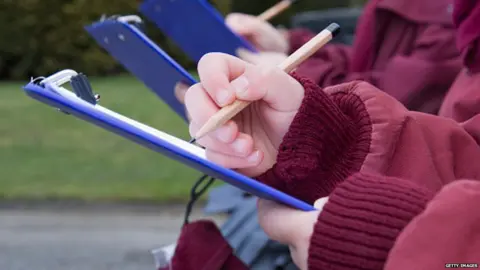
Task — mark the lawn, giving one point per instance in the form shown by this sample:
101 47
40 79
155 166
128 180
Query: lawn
47 154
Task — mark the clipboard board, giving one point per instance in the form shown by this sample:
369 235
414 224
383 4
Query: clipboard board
195 26
124 41
50 91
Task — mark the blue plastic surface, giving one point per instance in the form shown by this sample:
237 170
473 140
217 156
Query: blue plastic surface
195 26
88 112
143 58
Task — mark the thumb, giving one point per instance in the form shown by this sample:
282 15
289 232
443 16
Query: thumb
282 223
270 84
320 203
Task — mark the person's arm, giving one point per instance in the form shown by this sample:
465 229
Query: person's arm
355 127
376 222
448 228
328 66
433 62
463 99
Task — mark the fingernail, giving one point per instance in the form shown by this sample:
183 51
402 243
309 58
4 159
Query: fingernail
253 158
223 96
240 84
223 133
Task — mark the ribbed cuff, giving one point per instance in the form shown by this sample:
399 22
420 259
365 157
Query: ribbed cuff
327 141
361 221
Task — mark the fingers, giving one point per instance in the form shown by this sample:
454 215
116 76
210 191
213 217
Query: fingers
235 162
242 24
261 58
270 84
216 70
199 105
277 88
229 143
180 91
284 224
247 55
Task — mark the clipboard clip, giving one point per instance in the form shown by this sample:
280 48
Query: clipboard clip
130 19
78 81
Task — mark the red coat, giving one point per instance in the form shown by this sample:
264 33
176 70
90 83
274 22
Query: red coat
406 48
403 186
411 180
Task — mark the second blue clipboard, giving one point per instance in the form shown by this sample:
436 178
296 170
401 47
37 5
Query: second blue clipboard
195 26
143 58
146 136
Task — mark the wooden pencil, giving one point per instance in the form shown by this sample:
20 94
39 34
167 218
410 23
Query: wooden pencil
288 65
275 10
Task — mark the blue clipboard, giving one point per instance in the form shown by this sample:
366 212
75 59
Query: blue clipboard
195 26
142 57
50 92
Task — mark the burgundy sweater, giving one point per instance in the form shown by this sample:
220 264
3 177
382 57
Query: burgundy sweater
404 47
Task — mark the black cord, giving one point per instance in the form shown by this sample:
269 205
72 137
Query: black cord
196 192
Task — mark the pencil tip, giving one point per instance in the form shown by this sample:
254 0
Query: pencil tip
334 28
193 140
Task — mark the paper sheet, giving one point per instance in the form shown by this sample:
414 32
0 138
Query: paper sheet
186 146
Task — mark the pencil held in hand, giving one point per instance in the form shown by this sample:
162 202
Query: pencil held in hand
276 9
292 62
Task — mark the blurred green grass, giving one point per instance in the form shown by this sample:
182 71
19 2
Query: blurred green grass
45 154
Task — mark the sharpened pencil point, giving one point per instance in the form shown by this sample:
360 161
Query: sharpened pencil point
334 28
193 140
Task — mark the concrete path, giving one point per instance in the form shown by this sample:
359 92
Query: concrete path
85 239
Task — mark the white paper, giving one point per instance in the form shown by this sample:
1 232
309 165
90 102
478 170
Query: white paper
186 146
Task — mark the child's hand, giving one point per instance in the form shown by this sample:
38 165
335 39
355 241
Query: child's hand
290 227
180 91
261 34
250 142
262 58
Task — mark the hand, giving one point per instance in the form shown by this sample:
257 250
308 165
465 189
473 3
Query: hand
261 34
290 227
180 91
250 142
262 58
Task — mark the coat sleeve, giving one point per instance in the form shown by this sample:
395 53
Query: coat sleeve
376 222
463 99
355 127
448 228
328 66
433 63
425 73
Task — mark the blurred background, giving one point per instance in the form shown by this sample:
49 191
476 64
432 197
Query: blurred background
48 158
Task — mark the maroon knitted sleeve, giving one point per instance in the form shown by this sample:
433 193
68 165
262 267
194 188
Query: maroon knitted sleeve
364 215
328 140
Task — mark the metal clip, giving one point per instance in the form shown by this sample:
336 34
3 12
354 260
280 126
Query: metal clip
59 78
82 88
130 19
